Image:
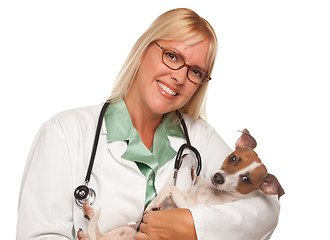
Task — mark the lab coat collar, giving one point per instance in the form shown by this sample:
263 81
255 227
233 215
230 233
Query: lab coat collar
118 148
119 128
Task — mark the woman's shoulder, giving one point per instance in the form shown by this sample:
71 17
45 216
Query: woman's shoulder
197 125
199 130
211 146
81 118
203 133
88 113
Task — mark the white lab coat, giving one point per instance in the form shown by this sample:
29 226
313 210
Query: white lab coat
58 163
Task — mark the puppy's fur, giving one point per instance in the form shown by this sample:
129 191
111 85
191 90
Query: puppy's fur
242 175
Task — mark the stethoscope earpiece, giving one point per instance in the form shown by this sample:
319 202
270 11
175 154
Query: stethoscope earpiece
83 194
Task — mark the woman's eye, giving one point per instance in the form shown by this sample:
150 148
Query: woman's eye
198 73
171 56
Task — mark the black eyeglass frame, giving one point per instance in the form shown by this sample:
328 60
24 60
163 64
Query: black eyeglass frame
204 80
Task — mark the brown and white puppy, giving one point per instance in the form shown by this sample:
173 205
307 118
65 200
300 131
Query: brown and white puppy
242 175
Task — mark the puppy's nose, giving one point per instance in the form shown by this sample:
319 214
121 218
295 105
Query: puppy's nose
218 178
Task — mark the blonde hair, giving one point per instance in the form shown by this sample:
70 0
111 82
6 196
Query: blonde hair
177 24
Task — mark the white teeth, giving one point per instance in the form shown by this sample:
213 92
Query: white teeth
166 89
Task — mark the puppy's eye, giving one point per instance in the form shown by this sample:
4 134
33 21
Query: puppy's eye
245 179
232 158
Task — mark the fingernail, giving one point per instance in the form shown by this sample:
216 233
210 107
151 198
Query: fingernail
87 217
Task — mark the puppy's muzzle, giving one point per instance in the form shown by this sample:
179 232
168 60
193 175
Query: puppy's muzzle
218 179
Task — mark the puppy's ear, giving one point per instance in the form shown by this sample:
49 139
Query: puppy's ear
246 140
272 186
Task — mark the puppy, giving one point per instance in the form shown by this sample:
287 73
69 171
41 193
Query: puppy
242 175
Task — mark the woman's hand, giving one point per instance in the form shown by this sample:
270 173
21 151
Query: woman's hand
169 224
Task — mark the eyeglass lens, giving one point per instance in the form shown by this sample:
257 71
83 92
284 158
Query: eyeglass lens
174 61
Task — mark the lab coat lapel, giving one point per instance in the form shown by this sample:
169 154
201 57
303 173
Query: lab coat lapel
117 149
175 144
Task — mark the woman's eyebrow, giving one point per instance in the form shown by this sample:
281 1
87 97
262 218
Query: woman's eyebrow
185 60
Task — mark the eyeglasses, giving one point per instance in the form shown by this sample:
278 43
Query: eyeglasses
175 62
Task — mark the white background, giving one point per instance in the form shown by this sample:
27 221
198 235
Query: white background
270 77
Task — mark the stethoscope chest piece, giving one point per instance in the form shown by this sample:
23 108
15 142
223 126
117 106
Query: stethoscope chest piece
83 194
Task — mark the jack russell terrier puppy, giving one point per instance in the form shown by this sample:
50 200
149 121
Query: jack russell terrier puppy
242 175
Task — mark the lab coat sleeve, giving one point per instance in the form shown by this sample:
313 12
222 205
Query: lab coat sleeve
249 219
45 204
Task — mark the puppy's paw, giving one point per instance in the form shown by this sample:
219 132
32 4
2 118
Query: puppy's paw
83 235
148 209
88 211
157 203
153 206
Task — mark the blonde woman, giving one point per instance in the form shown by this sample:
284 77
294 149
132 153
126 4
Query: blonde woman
168 69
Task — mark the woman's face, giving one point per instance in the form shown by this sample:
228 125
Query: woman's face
159 89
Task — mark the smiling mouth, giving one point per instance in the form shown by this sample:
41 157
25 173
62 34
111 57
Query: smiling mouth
166 89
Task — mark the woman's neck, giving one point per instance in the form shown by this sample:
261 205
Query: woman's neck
144 121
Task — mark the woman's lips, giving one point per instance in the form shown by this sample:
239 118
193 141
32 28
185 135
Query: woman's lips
167 89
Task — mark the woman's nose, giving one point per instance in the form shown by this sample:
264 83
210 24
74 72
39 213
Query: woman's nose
180 75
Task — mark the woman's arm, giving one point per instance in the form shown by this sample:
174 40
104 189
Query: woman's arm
45 204
250 219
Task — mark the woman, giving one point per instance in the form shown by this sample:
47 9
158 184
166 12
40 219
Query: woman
167 70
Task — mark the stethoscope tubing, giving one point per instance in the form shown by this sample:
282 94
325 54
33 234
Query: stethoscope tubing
178 160
96 142
82 192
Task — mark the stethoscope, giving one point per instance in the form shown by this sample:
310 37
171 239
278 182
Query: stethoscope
84 193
